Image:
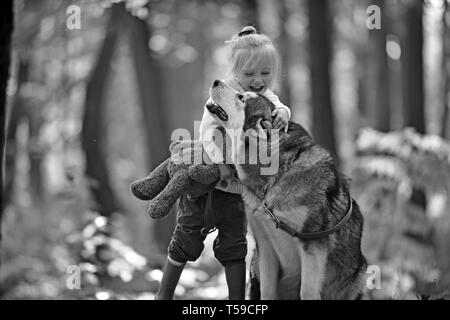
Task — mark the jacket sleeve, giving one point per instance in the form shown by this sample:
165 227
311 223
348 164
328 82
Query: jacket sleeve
276 101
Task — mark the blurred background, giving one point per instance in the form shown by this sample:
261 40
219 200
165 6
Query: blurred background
92 102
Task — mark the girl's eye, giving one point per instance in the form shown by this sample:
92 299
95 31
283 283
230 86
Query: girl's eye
249 74
265 73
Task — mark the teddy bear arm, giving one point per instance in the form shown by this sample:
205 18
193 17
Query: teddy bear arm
161 205
149 187
205 174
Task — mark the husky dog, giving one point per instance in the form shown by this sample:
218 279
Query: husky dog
307 228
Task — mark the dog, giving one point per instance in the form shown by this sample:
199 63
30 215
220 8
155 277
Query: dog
306 226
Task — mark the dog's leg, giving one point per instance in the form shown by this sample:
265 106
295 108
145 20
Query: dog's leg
288 257
290 264
269 270
314 260
267 261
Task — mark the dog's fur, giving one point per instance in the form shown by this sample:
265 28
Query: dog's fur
306 190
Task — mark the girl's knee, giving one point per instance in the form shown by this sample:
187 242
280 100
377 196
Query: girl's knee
186 245
231 252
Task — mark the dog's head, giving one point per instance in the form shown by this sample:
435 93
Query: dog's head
239 110
258 112
228 105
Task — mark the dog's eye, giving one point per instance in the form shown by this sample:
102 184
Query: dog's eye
240 97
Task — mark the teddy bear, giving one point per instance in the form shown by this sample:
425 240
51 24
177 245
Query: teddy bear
185 172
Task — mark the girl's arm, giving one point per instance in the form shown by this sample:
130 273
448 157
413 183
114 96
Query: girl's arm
282 113
276 101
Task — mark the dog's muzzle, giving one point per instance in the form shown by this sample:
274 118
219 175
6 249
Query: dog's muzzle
214 108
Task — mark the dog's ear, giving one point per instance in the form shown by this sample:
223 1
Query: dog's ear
268 102
215 109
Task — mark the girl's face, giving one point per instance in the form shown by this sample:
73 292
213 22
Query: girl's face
256 76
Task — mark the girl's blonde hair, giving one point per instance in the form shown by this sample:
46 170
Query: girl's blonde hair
247 47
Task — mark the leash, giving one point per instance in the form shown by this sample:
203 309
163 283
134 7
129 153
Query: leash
283 224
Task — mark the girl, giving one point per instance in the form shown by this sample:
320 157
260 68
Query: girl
255 66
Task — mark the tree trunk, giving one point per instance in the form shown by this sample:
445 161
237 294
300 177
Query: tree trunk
441 234
92 131
149 80
319 61
361 52
412 66
284 47
35 152
153 104
412 77
376 84
395 67
445 127
6 29
23 110
17 112
250 13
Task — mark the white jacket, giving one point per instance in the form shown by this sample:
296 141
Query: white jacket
209 122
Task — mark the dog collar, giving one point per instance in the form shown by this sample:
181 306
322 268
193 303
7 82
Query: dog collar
283 224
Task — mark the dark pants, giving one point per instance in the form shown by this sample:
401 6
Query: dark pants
230 246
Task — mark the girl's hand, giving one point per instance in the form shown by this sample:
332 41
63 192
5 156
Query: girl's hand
281 120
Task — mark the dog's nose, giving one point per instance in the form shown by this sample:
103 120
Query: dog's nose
216 83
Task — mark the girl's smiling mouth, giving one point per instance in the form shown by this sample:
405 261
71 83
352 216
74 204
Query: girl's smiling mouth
256 89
